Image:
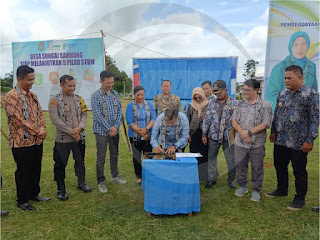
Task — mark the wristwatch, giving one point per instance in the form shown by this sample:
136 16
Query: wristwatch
250 133
147 129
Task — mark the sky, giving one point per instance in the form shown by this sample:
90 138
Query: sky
171 28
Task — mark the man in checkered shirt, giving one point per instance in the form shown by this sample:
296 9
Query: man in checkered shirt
107 118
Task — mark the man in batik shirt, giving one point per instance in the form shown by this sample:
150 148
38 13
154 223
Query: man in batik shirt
170 132
215 127
294 129
27 131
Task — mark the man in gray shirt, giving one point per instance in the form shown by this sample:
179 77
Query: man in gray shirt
250 120
68 113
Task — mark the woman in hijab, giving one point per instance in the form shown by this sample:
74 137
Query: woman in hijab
195 113
140 118
298 47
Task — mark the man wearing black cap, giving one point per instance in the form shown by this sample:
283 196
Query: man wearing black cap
216 122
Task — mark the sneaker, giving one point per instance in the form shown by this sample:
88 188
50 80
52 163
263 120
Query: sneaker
276 193
102 187
119 180
232 185
296 204
241 191
255 196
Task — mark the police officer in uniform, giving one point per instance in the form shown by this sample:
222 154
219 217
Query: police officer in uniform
68 113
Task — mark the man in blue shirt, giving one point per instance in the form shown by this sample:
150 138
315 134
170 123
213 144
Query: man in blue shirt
170 132
294 129
207 88
107 118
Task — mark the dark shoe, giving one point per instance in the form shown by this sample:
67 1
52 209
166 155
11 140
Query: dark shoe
4 213
139 181
276 193
210 184
315 209
232 185
25 206
62 195
296 204
84 188
40 199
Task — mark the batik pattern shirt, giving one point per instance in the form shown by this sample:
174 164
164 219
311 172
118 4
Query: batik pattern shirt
296 117
170 138
17 123
212 120
195 121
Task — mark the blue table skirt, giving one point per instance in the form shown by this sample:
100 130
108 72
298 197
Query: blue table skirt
171 186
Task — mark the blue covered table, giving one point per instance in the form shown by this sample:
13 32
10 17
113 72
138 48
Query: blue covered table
171 186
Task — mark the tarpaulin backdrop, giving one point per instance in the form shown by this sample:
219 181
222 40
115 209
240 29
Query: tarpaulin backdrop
184 73
81 58
287 21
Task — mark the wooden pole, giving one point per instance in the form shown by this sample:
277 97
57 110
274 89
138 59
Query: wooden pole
126 134
104 51
4 134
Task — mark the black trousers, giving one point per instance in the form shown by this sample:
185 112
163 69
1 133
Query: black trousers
27 175
282 157
137 149
61 154
196 146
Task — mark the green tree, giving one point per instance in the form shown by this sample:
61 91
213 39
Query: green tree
122 81
7 81
239 85
250 69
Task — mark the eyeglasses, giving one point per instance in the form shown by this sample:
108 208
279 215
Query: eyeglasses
247 90
197 98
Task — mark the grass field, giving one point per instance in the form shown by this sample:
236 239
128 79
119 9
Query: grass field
119 214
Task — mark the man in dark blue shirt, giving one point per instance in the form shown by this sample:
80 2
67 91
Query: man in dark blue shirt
294 128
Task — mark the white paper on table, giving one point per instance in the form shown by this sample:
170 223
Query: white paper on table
187 155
